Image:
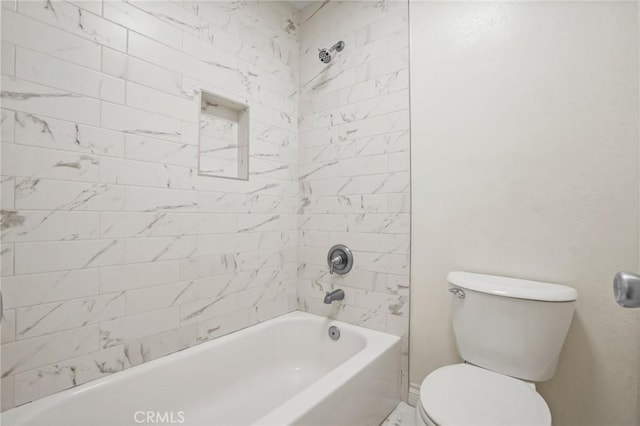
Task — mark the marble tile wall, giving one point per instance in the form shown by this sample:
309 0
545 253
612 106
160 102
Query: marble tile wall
114 250
354 163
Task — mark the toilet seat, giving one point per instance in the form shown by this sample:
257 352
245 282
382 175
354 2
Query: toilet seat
464 394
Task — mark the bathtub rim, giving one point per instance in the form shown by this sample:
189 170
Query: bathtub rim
331 381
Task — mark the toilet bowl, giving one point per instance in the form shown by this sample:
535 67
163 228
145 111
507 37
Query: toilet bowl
510 333
463 394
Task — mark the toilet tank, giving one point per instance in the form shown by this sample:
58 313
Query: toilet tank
511 326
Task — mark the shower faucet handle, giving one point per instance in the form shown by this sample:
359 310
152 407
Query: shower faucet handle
339 259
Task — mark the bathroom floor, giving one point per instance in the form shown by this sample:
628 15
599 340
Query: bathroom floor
403 415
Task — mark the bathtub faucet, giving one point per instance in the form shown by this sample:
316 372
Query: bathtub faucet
333 295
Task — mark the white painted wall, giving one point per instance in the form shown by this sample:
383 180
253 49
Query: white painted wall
525 163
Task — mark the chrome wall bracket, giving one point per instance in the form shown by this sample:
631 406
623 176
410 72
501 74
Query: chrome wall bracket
626 289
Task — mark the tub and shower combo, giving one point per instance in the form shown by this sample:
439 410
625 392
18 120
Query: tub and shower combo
285 371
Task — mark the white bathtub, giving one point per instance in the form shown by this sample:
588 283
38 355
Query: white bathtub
281 372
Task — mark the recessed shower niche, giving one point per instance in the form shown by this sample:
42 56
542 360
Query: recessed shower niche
223 146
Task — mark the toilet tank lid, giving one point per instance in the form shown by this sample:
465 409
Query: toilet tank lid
513 287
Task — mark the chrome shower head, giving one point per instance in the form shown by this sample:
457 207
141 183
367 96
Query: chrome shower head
325 54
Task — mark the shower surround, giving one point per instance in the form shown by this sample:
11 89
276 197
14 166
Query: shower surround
115 251
354 163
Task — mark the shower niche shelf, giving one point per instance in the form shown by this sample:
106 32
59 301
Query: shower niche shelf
223 139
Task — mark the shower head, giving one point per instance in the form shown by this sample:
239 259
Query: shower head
325 54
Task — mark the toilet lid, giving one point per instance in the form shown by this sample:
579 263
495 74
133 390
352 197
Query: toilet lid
463 394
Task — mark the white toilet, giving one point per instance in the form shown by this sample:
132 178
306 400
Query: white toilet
510 333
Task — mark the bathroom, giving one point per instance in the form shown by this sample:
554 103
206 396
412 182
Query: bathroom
273 212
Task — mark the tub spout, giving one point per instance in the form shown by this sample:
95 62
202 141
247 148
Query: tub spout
333 295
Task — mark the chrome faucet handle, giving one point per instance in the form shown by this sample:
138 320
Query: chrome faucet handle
340 259
337 260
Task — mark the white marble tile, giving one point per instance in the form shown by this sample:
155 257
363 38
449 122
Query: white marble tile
38 194
259 296
164 296
139 147
7 187
126 277
159 54
26 32
119 224
385 64
388 223
353 162
8 126
25 226
258 222
33 98
96 172
389 303
8 331
38 320
235 243
6 385
47 132
216 255
159 102
140 250
142 173
8 51
170 12
131 120
200 310
141 22
37 257
36 289
156 77
156 199
76 20
387 143
215 327
114 63
23 355
62 375
384 27
213 55
388 263
6 259
148 348
349 113
32 66
129 328
93 6
374 87
272 309
207 266
35 162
